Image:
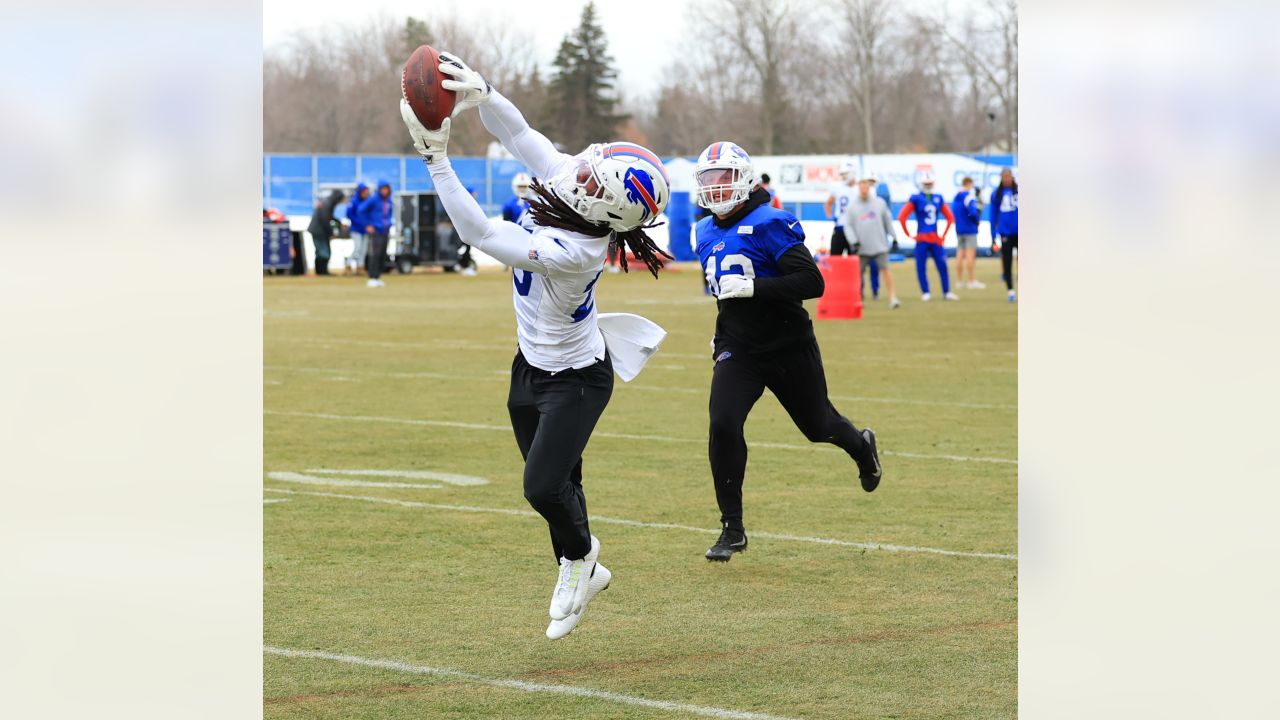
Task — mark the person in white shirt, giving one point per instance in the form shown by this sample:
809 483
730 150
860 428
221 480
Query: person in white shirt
562 376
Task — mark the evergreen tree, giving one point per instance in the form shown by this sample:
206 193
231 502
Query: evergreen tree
583 104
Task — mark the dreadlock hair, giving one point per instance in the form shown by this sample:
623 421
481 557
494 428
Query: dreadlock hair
550 211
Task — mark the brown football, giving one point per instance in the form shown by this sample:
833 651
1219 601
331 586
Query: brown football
420 85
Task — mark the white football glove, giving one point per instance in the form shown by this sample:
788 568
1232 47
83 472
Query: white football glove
471 88
736 286
431 144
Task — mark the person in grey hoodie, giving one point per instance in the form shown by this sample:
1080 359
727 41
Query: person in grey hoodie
868 225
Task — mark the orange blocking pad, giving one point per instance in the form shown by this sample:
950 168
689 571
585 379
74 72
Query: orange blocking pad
842 299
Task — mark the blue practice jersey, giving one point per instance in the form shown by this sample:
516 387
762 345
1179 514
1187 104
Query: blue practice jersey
928 208
514 208
751 247
1004 211
968 214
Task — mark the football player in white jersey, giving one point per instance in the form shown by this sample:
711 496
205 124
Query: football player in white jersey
837 201
562 376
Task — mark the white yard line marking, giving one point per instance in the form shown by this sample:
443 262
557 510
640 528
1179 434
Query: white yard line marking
524 686
661 526
495 374
268 501
334 482
450 478
701 440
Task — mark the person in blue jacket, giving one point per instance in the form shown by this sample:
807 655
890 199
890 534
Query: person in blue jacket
359 240
967 207
1004 226
378 213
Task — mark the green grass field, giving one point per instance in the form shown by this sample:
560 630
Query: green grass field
431 602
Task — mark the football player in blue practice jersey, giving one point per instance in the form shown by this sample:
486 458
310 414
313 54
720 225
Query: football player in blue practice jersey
1004 225
517 206
760 272
562 374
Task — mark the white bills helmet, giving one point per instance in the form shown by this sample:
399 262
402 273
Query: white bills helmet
520 185
724 176
619 184
849 171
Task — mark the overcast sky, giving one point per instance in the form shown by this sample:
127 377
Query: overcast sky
643 38
640 42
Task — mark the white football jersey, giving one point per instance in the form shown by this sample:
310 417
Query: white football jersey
556 308
844 194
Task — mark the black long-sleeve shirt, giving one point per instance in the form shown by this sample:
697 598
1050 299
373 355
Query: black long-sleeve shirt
773 318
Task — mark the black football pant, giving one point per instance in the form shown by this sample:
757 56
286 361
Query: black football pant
840 243
1008 243
553 415
795 376
377 255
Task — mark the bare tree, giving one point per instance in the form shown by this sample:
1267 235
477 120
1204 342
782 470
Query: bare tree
765 37
989 51
865 26
337 89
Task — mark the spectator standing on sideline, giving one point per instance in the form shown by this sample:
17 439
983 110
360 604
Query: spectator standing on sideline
359 240
925 205
321 229
774 202
967 207
1004 226
378 212
868 223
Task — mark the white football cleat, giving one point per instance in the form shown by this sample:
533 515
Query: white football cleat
894 303
469 271
571 585
599 580
614 269
1013 296
951 296
375 283
926 297
975 285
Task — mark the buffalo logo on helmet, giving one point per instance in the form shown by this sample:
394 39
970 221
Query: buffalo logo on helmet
640 191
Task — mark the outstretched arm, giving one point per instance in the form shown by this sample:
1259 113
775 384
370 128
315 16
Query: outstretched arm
500 118
506 242
504 121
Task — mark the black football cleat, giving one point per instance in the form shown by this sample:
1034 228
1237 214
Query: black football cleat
869 465
730 542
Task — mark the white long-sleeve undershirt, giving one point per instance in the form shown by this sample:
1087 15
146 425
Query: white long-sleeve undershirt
504 121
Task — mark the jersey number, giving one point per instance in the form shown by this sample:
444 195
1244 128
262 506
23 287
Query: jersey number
930 214
728 261
585 308
522 283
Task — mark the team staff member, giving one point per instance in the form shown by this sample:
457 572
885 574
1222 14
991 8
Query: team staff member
321 229
926 205
359 240
760 272
378 212
562 375
967 208
1004 225
869 224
